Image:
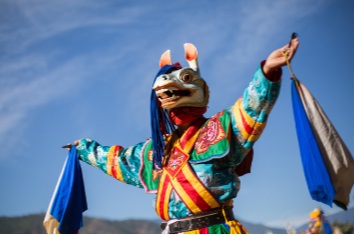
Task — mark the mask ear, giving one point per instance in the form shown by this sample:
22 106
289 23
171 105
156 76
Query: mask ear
191 55
165 59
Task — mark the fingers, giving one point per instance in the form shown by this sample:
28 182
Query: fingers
294 42
69 145
290 49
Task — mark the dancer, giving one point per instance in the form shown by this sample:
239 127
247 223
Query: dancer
193 163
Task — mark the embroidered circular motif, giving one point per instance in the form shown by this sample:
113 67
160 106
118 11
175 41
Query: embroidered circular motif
210 134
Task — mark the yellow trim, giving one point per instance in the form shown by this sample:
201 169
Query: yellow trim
112 163
110 157
239 111
164 177
186 199
236 227
190 143
200 188
196 231
167 200
158 196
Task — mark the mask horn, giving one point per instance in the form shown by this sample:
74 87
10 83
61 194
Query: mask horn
165 59
191 55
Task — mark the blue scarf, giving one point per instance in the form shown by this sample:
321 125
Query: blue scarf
160 121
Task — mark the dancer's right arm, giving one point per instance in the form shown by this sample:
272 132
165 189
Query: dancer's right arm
121 163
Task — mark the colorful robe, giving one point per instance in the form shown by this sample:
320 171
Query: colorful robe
222 144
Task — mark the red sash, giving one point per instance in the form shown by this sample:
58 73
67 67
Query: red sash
178 175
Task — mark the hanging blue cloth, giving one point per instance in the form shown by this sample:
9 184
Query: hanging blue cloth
160 121
64 214
317 177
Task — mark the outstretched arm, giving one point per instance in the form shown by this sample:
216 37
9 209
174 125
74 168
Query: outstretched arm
121 163
250 112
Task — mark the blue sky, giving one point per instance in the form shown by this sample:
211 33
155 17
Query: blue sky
84 69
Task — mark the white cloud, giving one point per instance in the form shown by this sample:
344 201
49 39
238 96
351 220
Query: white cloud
28 77
37 20
28 80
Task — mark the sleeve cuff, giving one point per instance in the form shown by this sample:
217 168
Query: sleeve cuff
273 76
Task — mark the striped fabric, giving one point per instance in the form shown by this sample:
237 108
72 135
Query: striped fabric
113 168
179 176
249 128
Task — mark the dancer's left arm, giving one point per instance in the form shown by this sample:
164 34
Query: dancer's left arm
250 112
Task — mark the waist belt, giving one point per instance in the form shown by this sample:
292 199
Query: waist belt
198 221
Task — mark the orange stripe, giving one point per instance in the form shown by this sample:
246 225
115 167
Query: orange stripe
158 196
167 201
163 195
110 157
193 193
113 167
114 163
188 137
202 192
192 206
249 128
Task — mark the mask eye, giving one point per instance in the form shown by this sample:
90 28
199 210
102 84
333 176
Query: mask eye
187 76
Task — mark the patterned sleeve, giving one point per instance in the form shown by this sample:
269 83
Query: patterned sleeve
116 161
250 112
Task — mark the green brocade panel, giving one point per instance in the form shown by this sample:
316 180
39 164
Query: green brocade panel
213 141
147 174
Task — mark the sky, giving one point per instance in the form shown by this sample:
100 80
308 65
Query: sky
84 69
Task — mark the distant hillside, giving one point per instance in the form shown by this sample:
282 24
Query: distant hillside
33 224
261 229
343 216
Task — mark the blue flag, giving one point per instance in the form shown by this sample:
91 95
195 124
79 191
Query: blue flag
64 214
328 165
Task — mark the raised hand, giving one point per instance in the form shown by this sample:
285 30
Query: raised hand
279 57
69 145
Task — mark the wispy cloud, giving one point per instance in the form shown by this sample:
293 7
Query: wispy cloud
18 99
28 77
29 23
253 30
32 77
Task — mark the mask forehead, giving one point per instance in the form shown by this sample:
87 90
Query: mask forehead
176 76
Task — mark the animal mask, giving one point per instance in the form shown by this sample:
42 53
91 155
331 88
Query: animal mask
183 87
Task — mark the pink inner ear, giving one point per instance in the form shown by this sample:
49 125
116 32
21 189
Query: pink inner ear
191 52
165 59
